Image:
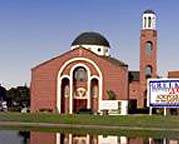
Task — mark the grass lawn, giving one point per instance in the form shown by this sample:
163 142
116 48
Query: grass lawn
141 121
154 121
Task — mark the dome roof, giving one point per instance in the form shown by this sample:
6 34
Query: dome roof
91 38
149 11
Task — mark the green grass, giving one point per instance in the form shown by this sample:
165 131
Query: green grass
142 121
131 120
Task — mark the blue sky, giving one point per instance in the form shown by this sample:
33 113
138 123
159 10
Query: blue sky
33 31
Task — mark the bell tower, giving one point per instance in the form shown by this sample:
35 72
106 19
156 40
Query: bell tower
148 54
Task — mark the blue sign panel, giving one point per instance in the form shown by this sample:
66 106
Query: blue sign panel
163 93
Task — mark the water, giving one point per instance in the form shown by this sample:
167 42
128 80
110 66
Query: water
34 137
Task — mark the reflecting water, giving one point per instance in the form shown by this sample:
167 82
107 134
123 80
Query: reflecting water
26 137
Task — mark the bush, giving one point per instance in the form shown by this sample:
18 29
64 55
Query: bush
85 111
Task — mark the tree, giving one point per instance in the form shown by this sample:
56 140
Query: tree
111 94
20 94
2 93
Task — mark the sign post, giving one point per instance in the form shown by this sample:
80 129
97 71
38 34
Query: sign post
162 93
165 111
150 111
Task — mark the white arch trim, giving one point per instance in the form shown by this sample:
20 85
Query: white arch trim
94 77
59 80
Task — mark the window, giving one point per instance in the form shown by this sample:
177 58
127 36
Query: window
148 48
149 22
145 22
148 71
99 50
80 74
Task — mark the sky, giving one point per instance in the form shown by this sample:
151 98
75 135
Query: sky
33 31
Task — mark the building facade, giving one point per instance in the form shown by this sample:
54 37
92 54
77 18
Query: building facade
80 78
87 76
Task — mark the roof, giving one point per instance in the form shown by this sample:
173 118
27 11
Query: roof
114 61
91 38
134 75
109 58
149 11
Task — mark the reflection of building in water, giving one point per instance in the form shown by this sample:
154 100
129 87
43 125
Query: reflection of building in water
57 138
112 139
42 138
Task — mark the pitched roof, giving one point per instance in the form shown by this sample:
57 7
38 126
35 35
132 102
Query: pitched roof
114 61
108 58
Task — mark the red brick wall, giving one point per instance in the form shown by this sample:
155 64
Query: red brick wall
42 138
134 90
44 78
173 74
147 35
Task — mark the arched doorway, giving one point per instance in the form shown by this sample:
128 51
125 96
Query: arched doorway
59 81
65 94
80 88
94 94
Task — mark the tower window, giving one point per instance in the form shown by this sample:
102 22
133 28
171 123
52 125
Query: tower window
148 48
145 22
148 71
149 22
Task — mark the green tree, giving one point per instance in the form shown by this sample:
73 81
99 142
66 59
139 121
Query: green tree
111 95
19 94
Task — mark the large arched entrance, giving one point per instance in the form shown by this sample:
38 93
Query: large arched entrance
80 88
73 99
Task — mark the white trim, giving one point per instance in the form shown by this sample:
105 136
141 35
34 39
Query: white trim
59 87
70 138
94 77
104 50
100 78
58 135
88 139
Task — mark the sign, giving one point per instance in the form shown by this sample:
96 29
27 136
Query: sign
163 93
109 104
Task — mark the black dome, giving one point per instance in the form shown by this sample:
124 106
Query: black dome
149 11
91 38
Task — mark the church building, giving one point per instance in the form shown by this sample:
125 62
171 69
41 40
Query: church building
87 75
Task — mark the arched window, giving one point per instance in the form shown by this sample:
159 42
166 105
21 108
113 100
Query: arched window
149 22
94 88
148 48
145 22
148 71
80 74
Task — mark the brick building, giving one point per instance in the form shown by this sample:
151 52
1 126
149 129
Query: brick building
87 75
148 62
173 74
